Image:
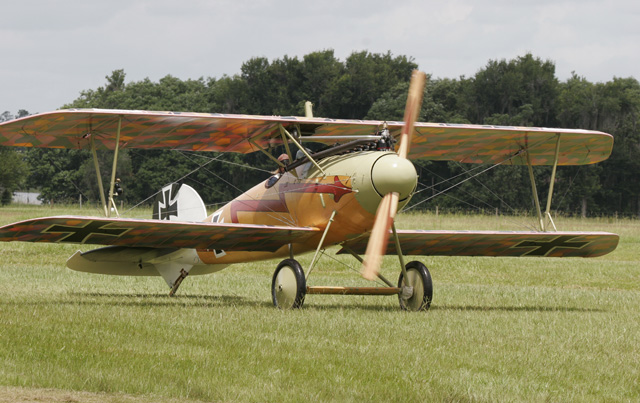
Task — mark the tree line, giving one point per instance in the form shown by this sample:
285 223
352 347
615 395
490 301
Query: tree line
523 91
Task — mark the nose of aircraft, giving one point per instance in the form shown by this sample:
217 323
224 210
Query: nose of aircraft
391 173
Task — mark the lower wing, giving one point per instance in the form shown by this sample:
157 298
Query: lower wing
154 233
492 243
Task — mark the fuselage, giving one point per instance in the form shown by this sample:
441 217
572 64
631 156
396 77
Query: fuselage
352 186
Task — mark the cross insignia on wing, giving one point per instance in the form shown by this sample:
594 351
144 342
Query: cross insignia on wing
544 248
82 233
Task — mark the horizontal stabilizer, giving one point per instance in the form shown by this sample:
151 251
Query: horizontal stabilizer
493 243
116 260
171 264
154 233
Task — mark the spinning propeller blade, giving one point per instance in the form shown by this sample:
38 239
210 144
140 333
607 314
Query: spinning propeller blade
377 245
411 111
388 207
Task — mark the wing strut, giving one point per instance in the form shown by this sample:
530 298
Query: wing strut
324 234
552 181
534 190
100 186
547 215
301 148
105 206
113 171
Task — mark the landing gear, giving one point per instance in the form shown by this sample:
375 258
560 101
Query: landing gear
420 279
288 287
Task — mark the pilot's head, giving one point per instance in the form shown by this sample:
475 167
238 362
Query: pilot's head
284 159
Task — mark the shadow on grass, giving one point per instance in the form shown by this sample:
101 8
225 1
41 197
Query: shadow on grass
514 308
210 301
381 308
162 300
143 300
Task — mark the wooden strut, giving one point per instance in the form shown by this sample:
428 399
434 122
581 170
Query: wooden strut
100 186
399 252
324 234
551 183
252 140
350 251
301 148
542 218
347 290
354 290
113 171
534 190
286 144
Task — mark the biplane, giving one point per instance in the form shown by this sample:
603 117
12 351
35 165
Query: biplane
346 193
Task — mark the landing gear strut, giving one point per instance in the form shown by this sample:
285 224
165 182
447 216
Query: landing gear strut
289 287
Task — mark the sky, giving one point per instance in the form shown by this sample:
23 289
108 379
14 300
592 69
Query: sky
51 50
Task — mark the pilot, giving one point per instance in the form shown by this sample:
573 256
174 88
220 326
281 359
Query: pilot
284 159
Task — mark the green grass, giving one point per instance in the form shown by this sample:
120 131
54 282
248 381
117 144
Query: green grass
505 329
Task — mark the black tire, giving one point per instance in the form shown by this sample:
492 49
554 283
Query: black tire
288 286
422 287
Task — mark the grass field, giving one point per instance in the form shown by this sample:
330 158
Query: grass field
500 329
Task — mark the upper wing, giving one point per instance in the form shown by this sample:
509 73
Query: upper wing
74 128
491 243
495 144
153 233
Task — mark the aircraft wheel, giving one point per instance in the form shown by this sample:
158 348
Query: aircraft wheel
420 279
288 286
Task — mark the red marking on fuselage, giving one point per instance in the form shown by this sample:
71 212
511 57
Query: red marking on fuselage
337 189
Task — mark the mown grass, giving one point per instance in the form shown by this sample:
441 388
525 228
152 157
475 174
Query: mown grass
527 329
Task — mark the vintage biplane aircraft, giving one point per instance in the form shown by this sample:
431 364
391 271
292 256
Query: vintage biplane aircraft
346 194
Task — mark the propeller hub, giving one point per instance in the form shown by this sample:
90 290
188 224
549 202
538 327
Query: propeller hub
391 173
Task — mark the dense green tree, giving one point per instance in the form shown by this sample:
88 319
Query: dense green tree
366 77
56 173
511 87
13 173
522 91
319 71
14 169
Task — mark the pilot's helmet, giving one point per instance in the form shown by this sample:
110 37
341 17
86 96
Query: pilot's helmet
284 158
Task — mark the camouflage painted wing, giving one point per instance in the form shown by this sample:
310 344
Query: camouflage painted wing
491 243
75 128
154 233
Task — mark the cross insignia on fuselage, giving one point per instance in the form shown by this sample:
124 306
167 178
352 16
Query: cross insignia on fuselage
81 234
543 248
167 205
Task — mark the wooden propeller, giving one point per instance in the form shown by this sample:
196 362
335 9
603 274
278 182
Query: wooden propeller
388 207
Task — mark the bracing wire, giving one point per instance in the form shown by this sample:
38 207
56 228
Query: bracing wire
521 151
176 181
461 182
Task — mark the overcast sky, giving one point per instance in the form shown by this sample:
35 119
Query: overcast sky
52 50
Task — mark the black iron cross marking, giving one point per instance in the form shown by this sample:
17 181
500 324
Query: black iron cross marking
166 209
543 248
81 234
